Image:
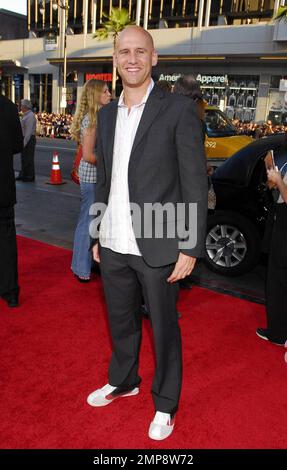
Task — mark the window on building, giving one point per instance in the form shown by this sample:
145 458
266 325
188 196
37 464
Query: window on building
41 92
173 13
277 112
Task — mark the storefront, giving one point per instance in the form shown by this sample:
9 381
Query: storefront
12 80
235 94
16 84
79 71
225 87
12 86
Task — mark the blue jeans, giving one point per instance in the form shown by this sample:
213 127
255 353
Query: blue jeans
82 257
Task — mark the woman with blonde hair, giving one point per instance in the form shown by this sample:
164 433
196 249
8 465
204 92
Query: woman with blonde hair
95 94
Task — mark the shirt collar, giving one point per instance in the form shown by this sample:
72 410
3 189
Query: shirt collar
143 101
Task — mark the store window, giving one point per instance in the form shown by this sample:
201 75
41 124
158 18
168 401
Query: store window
12 86
41 92
236 95
277 109
71 97
72 84
18 83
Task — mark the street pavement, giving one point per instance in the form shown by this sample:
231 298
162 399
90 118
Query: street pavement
44 212
49 214
44 155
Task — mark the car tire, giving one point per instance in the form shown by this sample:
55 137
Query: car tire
232 245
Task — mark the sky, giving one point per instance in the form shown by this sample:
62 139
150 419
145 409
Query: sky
20 6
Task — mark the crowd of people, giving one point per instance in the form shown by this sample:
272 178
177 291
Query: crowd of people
256 130
58 126
54 125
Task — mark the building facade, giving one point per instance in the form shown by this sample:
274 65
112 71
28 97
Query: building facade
235 49
12 25
87 15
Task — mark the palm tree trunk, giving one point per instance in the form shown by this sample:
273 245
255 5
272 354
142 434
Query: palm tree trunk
114 76
114 79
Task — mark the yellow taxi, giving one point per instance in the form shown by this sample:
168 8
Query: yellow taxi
222 139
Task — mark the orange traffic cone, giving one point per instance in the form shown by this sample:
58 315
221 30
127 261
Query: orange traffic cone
56 175
52 135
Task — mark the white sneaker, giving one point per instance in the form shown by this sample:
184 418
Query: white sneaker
161 427
105 395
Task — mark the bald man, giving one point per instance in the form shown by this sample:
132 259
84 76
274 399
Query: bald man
150 151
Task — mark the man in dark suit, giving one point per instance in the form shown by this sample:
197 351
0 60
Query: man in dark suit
150 152
11 142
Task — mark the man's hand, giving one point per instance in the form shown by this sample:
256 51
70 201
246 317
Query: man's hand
96 253
184 267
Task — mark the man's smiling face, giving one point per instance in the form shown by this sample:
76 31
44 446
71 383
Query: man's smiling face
134 56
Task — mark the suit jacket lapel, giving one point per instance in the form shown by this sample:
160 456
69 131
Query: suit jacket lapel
151 110
110 134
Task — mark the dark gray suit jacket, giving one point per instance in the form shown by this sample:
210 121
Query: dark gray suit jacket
167 165
11 142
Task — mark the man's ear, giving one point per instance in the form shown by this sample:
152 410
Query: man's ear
154 58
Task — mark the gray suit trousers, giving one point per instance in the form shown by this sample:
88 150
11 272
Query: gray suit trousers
125 277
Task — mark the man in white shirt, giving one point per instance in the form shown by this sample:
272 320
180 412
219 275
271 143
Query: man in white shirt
150 151
118 235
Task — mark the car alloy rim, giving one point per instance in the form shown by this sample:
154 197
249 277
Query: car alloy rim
226 246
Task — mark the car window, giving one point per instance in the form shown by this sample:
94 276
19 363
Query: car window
217 124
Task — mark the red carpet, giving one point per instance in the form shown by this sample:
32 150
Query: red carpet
55 351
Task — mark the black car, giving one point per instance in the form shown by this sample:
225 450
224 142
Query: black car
237 225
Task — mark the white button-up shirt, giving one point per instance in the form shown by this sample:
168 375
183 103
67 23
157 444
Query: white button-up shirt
116 231
28 124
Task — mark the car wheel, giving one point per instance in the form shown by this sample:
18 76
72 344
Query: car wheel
232 245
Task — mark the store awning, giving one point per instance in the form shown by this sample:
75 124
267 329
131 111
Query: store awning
81 60
231 58
11 66
73 61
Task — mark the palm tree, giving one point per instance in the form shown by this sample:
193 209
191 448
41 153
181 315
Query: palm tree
117 21
281 12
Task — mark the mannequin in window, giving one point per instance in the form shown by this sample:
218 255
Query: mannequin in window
215 99
207 97
242 84
232 99
241 99
230 112
239 114
247 116
250 101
